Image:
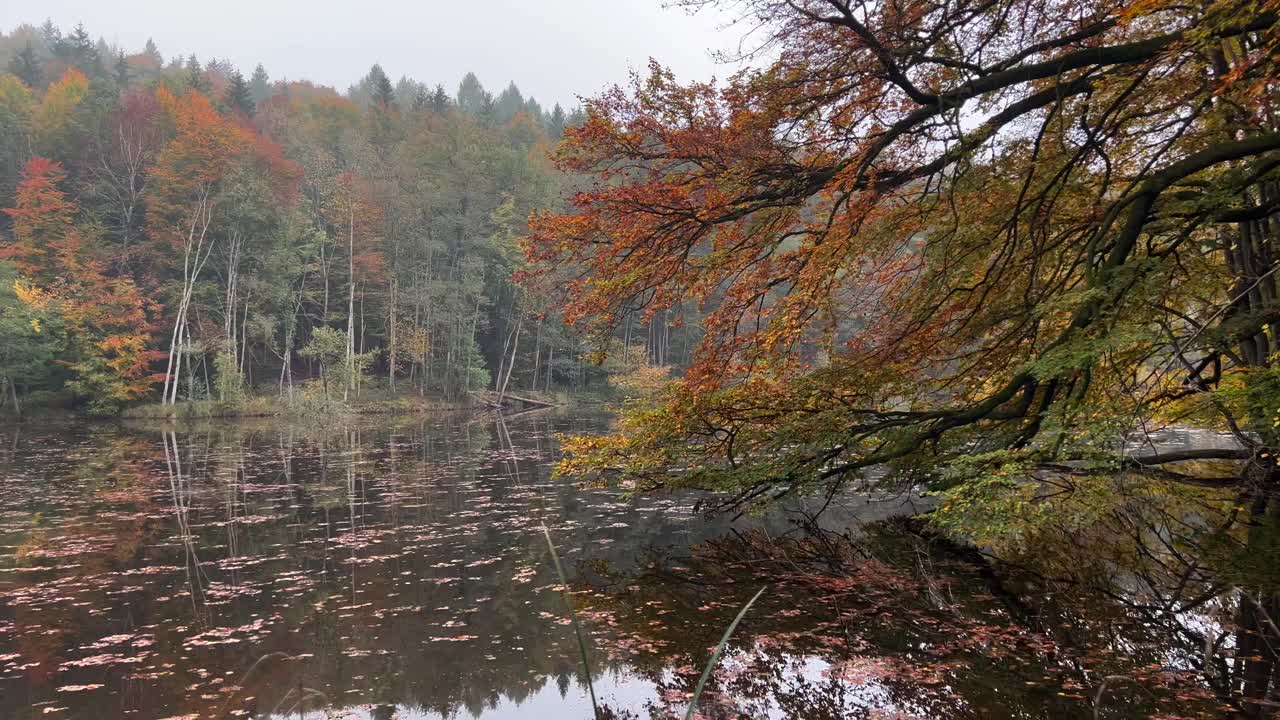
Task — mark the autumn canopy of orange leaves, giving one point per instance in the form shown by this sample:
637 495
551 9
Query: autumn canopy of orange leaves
113 314
911 206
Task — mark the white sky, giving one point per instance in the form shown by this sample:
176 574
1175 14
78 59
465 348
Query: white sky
555 50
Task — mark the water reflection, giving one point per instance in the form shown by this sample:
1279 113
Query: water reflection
149 571
397 570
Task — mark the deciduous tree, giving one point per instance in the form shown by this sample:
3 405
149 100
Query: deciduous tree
930 230
182 201
43 219
107 320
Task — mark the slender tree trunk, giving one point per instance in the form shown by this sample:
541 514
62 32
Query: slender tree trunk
192 262
191 371
233 280
391 339
510 364
475 321
351 303
626 343
177 354
537 356
324 272
284 365
246 366
168 371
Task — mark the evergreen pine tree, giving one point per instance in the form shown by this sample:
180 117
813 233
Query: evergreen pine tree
509 102
51 34
80 50
153 52
421 99
195 75
103 51
406 91
239 98
26 66
534 109
122 71
472 97
383 94
439 100
259 87
555 123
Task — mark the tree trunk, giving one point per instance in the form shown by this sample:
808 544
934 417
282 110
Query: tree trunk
551 353
351 304
511 364
391 340
475 321
233 279
537 356
192 263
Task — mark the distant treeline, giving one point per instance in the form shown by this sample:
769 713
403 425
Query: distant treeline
175 230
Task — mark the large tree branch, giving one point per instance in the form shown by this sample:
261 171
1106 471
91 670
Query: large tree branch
1123 54
1172 456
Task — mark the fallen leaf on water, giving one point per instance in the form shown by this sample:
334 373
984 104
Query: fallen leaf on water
79 688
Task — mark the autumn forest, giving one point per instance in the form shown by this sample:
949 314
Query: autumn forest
877 359
177 231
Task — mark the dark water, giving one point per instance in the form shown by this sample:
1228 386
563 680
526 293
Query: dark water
398 570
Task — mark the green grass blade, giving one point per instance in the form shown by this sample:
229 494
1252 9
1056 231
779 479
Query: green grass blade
573 617
715 656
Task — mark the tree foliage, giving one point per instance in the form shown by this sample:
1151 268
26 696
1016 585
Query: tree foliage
920 233
195 230
986 247
239 95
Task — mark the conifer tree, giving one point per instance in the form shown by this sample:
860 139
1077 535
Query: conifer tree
534 109
239 99
439 100
196 79
555 124
153 52
80 50
259 88
509 102
50 33
421 99
122 71
383 94
472 97
26 66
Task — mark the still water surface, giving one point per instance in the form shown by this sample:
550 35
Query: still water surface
397 569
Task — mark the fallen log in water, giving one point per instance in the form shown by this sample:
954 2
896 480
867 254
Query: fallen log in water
494 400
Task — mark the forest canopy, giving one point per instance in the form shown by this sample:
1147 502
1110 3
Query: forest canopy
959 240
176 229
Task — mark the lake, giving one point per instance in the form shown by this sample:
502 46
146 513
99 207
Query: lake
398 569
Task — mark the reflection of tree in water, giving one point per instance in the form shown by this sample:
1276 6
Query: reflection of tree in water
1197 564
892 622
374 567
402 567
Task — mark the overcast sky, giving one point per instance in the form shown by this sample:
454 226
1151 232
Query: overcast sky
554 50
